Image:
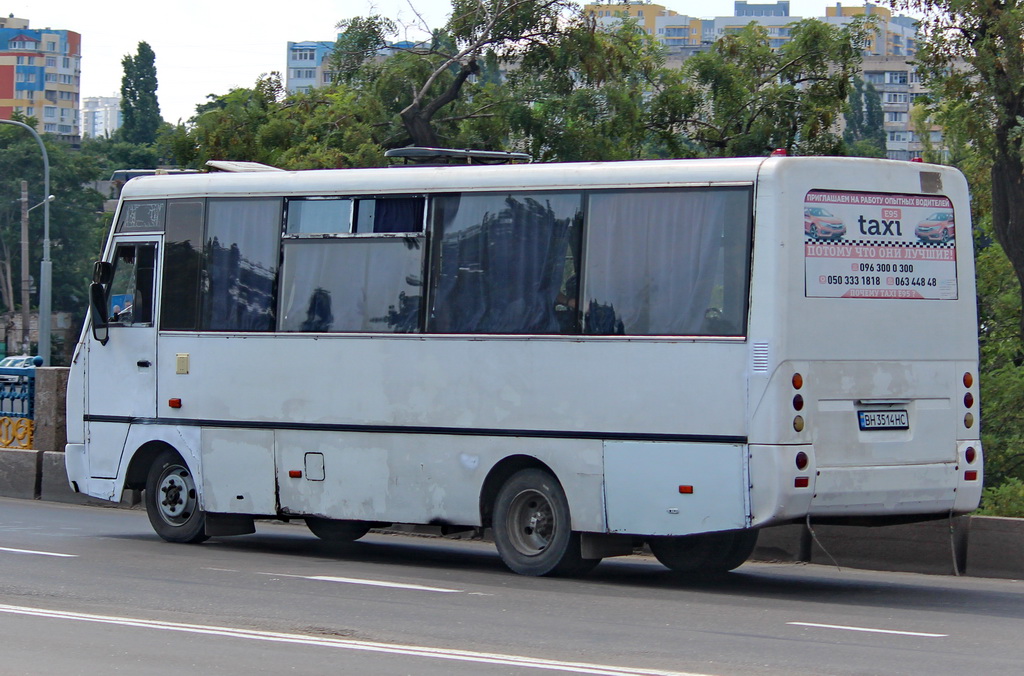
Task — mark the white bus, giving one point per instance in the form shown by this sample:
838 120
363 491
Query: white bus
580 357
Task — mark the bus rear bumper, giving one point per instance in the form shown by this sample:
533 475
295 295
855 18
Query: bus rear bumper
781 492
938 488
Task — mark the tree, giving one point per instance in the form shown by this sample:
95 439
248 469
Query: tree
76 231
972 51
476 30
742 97
864 133
139 106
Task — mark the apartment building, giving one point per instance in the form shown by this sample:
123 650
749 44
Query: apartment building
308 66
677 31
40 76
101 116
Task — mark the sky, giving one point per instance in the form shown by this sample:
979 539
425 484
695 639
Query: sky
207 47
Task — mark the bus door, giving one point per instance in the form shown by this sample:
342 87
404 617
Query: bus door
122 371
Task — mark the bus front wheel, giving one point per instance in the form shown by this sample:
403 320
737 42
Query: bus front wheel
708 553
333 530
172 501
532 527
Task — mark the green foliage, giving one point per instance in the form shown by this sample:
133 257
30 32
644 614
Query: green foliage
75 231
865 132
744 98
584 95
358 42
972 52
111 154
1006 499
139 106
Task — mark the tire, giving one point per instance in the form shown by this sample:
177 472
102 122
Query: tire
333 530
532 527
172 501
705 554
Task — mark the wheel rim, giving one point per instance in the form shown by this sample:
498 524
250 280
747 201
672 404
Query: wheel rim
176 495
531 523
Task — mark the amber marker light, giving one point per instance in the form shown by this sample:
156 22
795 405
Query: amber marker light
295 473
174 403
968 379
798 381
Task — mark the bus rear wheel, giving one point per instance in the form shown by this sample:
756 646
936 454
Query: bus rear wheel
705 554
172 501
333 530
532 527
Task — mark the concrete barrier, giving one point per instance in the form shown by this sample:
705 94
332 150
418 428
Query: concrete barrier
19 473
982 546
996 547
50 433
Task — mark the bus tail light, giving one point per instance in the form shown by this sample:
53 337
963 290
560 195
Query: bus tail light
971 475
802 482
802 461
970 455
686 490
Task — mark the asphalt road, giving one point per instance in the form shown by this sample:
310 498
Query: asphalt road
86 590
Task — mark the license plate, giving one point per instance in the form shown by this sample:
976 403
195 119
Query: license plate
883 420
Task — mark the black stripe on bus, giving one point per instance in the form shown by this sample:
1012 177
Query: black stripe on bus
414 429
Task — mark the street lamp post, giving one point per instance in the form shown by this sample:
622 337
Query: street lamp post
45 266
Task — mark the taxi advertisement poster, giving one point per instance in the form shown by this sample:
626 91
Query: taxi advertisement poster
873 245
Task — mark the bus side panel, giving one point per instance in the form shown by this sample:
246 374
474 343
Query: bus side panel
675 488
238 471
410 478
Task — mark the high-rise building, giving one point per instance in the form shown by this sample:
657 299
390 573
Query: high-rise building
40 76
101 115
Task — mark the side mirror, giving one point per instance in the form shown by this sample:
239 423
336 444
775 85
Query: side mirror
98 308
102 273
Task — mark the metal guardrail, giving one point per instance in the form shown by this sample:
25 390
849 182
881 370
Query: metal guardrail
17 407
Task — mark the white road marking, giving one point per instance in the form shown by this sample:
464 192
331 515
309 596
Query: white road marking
867 629
369 583
31 551
344 644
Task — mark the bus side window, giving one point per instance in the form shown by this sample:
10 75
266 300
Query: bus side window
131 289
389 215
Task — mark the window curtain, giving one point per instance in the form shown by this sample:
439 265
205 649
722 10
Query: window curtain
652 261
